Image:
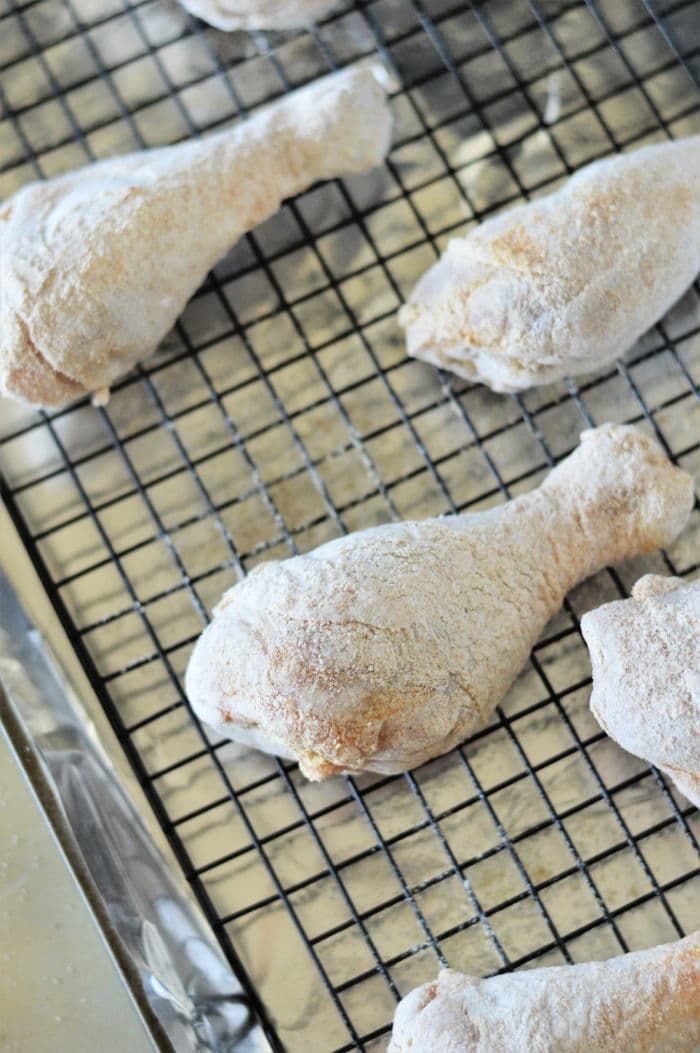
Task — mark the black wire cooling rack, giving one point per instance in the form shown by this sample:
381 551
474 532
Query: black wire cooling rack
282 412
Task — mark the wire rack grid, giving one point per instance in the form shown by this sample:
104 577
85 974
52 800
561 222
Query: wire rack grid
282 412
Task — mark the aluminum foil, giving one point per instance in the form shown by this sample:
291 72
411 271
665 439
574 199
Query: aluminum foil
189 985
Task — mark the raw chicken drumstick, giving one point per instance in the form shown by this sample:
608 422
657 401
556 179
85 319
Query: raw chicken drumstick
644 1002
380 650
259 14
566 283
95 266
645 654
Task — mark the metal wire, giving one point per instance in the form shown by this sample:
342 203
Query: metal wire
282 412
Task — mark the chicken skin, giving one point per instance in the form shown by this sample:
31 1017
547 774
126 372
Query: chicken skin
564 284
259 14
96 265
382 649
643 1002
645 654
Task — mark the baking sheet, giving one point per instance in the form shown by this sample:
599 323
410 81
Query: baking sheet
282 412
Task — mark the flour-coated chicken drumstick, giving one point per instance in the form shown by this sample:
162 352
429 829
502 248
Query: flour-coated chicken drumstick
645 654
380 650
643 1002
95 266
259 14
564 284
